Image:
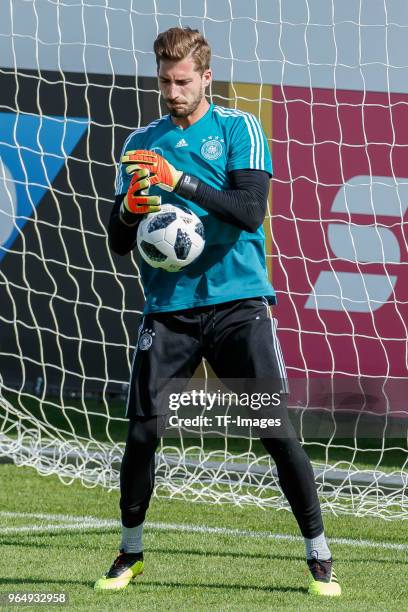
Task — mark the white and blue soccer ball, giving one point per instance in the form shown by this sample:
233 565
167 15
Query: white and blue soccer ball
170 239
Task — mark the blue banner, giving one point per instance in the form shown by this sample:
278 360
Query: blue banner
33 149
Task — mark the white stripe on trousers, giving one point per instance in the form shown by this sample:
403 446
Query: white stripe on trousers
133 363
277 348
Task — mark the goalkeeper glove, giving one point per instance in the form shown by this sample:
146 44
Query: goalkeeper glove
137 201
162 173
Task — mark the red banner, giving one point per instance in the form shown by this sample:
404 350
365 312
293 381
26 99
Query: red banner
339 208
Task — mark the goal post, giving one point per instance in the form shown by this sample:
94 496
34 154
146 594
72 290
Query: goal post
328 81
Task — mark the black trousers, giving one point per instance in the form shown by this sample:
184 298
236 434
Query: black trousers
237 338
239 341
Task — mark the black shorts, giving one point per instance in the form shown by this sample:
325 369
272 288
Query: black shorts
238 339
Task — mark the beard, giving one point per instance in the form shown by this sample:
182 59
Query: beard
187 108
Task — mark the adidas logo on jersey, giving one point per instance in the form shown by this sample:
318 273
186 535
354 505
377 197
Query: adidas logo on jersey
181 143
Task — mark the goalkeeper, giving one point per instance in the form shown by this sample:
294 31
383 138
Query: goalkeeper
216 161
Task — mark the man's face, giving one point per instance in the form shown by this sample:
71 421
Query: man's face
182 86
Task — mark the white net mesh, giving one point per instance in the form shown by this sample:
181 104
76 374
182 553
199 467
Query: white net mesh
328 81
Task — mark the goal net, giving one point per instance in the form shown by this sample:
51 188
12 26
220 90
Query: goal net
328 81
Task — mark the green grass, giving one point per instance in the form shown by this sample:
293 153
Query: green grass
189 571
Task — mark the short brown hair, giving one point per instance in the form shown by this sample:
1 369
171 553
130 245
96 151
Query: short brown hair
176 44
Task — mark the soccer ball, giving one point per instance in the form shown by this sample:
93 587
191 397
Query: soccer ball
170 239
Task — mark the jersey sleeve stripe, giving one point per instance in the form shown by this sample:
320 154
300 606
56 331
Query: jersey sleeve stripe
260 160
251 135
258 133
257 153
258 143
262 142
262 137
237 113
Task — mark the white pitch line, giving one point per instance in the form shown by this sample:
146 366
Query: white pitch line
267 535
77 526
49 517
89 522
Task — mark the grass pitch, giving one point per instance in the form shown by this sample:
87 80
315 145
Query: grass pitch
45 549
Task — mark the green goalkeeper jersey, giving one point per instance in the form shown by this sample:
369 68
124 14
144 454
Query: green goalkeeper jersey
233 264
